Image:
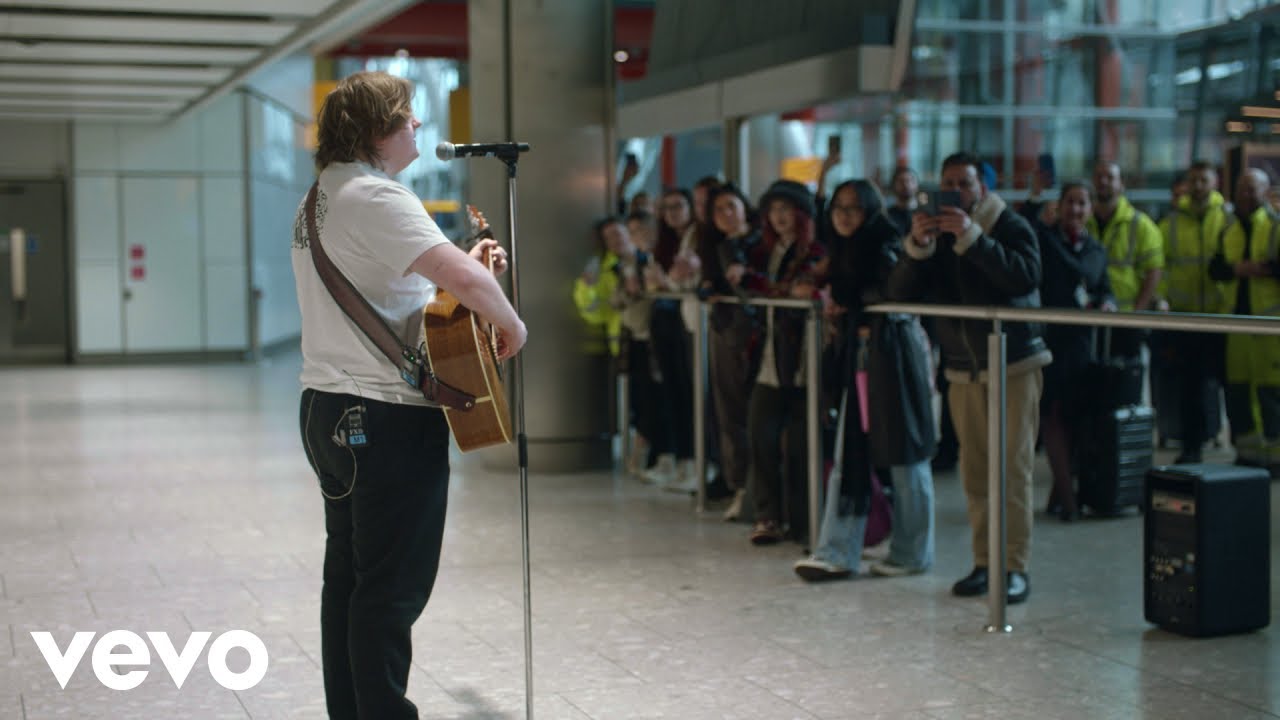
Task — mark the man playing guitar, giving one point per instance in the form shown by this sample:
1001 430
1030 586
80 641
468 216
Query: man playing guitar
380 451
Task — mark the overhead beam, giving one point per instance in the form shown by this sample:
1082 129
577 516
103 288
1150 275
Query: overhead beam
82 27
88 104
54 51
114 73
17 89
273 8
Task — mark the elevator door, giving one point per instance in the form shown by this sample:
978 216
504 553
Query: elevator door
33 271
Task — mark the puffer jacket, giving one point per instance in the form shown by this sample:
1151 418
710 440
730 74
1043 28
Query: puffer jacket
996 263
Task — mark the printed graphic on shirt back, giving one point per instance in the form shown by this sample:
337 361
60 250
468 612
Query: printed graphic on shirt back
300 239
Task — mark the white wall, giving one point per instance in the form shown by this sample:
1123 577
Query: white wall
208 200
279 174
173 192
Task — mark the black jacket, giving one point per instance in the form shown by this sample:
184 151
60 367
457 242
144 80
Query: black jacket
1075 279
899 371
1001 268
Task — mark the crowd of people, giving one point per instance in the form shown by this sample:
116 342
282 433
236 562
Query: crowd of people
1088 248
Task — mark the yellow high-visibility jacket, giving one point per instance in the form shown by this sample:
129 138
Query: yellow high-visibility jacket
1191 240
1134 247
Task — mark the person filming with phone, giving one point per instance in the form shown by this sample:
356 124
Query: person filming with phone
969 248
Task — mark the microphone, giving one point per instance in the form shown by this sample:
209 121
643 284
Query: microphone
448 151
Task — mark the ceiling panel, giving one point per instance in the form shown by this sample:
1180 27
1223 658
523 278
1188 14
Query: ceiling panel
19 25
114 73
89 104
135 53
155 59
9 88
274 8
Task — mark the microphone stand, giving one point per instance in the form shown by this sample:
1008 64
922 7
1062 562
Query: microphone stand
510 158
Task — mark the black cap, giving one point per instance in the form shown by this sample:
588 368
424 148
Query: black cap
790 190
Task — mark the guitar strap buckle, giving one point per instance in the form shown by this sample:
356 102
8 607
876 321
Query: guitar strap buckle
419 375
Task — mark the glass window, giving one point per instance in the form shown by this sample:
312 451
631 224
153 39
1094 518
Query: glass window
960 9
967 67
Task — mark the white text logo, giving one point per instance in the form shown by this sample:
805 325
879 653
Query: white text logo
133 652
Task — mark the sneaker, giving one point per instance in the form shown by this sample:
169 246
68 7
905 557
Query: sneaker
681 483
1017 587
975 583
876 552
663 472
734 511
887 568
811 569
766 532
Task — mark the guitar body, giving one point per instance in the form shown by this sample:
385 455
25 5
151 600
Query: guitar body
461 355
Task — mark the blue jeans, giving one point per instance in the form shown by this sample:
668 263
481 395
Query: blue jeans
912 542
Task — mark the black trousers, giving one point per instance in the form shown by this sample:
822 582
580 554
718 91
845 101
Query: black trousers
779 461
384 518
732 375
1199 361
674 353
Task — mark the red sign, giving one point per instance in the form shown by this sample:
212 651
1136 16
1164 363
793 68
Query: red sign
138 272
137 252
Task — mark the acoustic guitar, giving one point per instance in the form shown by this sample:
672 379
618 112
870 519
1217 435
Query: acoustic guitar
463 352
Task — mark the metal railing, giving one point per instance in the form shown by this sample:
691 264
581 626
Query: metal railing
997 620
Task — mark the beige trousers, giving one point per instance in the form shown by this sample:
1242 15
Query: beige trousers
1022 410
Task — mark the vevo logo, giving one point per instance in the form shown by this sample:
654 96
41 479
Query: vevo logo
179 664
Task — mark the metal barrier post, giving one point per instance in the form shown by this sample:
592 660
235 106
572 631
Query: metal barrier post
813 379
700 406
624 414
996 480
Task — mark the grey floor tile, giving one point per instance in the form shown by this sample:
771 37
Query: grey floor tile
124 509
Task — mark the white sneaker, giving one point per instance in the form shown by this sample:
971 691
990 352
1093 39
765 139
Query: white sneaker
734 511
885 568
812 569
876 552
663 472
686 479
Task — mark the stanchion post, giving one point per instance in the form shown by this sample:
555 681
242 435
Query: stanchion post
623 390
813 382
996 481
700 406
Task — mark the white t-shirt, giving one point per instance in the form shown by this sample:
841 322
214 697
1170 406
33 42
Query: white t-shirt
372 228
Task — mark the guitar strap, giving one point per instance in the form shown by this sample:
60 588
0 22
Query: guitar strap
412 364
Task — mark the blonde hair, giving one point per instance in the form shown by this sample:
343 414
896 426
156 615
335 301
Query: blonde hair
365 108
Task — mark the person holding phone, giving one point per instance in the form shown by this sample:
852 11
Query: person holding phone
977 251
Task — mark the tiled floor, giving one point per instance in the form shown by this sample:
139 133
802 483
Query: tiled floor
177 499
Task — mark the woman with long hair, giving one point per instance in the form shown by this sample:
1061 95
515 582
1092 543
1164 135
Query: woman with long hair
793 262
864 245
725 247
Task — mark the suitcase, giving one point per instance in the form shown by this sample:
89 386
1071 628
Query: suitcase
1115 437
1115 453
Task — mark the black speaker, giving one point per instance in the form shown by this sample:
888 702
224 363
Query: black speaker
1207 549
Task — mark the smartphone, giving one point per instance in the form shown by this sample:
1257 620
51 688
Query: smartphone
943 198
833 145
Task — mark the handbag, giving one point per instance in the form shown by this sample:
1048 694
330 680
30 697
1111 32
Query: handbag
879 511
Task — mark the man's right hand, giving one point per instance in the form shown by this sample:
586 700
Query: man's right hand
924 229
511 340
